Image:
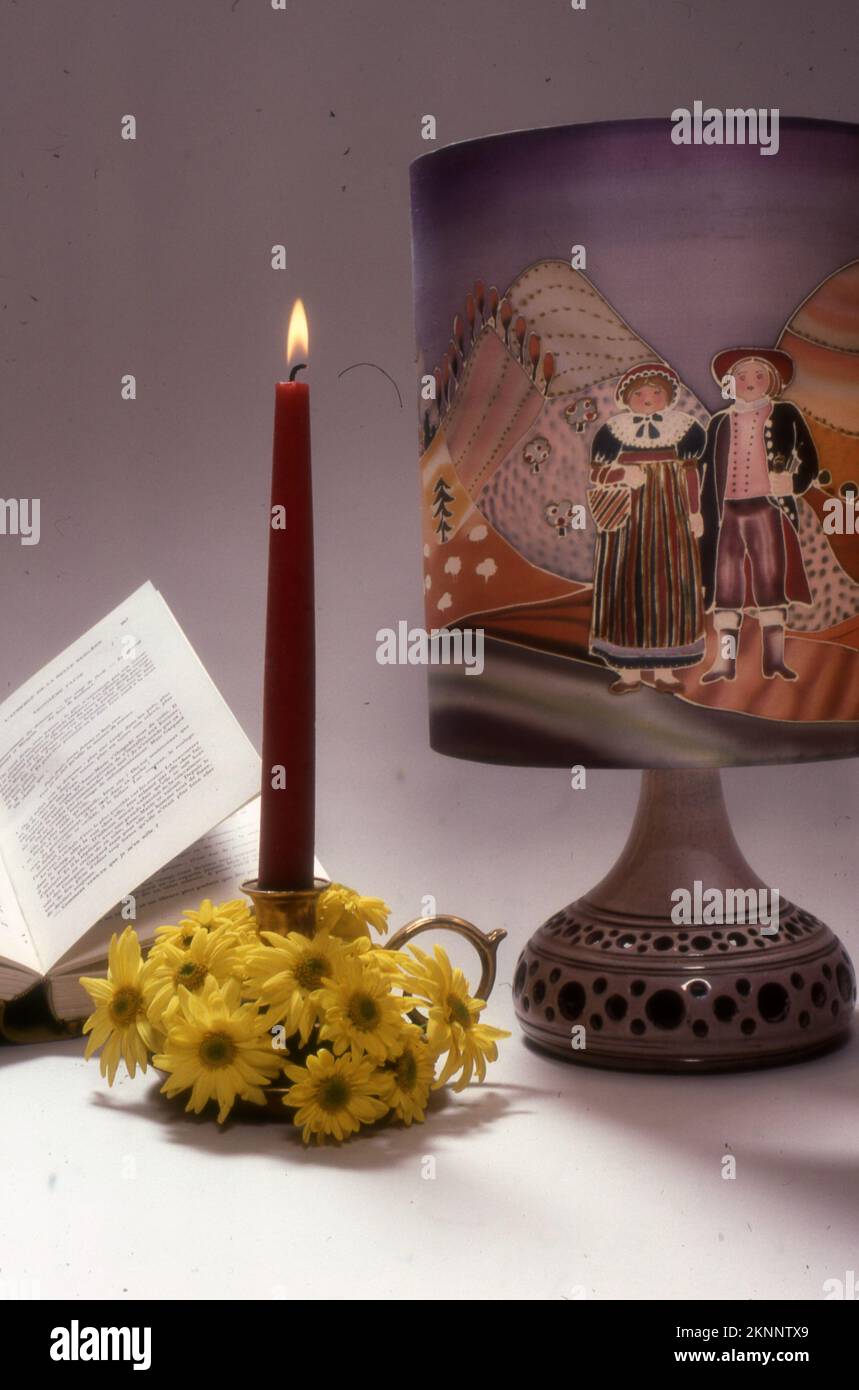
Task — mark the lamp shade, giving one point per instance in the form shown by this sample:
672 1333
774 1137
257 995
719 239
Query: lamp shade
639 444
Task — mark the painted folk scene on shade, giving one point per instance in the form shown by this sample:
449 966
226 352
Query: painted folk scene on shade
685 578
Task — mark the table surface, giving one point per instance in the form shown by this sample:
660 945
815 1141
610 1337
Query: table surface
551 1181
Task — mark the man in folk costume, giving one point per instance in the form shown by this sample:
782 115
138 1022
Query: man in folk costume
758 459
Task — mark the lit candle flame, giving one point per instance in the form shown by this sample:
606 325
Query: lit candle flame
297 337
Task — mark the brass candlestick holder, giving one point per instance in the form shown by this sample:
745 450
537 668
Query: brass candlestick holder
285 911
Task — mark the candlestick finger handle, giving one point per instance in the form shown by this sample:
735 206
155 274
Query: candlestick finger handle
485 943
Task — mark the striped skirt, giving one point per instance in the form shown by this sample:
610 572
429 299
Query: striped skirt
647 605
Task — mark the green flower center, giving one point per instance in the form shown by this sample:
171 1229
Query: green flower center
334 1094
191 975
363 1013
310 973
406 1071
458 1011
125 1006
217 1050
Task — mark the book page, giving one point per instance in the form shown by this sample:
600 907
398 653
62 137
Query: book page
215 867
114 758
16 947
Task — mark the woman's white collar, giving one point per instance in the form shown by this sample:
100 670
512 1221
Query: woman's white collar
670 429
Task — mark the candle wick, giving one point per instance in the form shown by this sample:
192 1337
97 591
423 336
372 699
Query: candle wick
299 367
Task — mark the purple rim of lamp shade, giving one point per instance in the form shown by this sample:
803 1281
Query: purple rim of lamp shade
697 247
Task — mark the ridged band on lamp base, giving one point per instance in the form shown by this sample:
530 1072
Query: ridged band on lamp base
611 981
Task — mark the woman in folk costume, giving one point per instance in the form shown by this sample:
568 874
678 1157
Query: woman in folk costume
647 606
759 457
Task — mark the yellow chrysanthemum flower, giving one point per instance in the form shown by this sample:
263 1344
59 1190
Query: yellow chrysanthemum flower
234 914
359 1011
119 1023
453 1025
216 1049
379 957
210 955
345 913
334 1095
408 1077
286 973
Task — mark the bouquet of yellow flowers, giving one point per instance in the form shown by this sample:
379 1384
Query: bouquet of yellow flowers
344 1030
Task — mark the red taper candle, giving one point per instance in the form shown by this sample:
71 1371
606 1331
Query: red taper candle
289 696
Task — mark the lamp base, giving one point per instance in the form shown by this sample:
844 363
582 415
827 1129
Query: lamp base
613 981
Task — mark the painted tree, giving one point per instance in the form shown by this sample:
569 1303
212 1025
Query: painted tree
441 511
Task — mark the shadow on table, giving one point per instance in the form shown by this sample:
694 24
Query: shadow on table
258 1132
794 1130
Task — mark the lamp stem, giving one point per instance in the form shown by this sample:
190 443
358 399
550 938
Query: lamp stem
681 832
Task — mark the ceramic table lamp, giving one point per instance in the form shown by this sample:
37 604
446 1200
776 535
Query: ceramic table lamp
639 440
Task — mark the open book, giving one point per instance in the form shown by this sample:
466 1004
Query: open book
121 771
